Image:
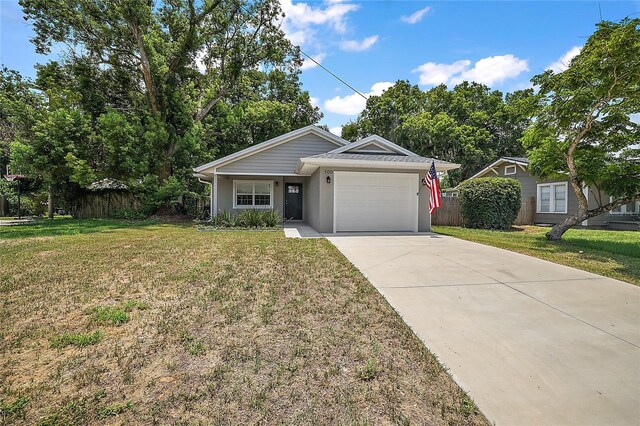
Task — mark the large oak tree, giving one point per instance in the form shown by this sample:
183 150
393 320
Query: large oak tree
184 56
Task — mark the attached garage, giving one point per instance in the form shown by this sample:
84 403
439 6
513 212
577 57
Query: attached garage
375 201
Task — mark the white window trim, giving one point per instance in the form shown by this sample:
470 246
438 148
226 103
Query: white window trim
552 197
508 167
623 209
235 195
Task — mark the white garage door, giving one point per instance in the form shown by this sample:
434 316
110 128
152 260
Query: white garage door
375 201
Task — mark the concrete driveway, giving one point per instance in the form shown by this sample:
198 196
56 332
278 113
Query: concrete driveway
532 342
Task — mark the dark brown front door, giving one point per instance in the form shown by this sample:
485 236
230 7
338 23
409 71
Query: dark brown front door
293 201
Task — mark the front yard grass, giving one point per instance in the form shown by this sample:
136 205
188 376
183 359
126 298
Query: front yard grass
143 323
614 254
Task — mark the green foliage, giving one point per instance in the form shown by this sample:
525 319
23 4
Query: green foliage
156 194
79 339
114 410
469 124
150 91
489 203
369 371
192 345
117 315
184 68
129 214
14 408
248 218
583 125
72 413
110 314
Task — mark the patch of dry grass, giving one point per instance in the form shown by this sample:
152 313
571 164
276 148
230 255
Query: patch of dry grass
236 327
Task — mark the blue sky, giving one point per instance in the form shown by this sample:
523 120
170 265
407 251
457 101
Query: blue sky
371 44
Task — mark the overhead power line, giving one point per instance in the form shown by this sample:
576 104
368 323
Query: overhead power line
333 74
318 63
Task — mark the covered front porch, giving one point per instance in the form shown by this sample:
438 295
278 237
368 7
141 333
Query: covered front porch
235 193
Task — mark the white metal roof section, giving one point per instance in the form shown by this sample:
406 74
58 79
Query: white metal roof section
308 165
269 144
376 141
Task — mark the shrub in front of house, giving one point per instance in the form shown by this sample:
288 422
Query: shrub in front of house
489 203
249 218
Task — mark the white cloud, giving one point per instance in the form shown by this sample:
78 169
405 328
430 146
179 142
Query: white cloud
490 70
354 104
416 16
494 69
635 118
307 64
314 101
563 62
336 130
300 19
432 73
358 46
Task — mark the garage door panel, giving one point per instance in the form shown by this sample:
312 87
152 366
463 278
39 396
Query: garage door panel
375 201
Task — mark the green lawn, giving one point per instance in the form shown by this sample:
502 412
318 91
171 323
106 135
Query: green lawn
614 254
105 321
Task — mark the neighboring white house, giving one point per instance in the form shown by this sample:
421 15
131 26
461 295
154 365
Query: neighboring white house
333 185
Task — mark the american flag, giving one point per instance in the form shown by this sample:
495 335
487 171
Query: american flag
431 181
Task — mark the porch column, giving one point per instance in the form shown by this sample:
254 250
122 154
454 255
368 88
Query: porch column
214 196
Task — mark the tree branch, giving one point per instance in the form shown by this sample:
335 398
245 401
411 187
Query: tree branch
146 68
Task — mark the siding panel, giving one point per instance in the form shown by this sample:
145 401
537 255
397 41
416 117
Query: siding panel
280 159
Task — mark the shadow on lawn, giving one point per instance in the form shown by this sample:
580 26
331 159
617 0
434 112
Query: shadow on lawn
626 248
623 255
51 228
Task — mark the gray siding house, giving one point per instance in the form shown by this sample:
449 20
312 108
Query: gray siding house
555 199
313 176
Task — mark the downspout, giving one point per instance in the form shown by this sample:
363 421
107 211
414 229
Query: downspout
211 210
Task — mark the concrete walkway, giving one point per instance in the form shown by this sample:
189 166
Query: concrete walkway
300 230
534 343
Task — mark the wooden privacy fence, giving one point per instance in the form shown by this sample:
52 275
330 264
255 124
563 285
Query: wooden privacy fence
104 204
448 214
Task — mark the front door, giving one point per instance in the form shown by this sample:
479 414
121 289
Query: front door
293 201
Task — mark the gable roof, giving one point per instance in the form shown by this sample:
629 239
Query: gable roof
377 141
523 161
271 143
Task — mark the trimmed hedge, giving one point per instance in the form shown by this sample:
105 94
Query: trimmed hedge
489 203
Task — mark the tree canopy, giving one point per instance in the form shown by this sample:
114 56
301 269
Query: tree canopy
150 88
469 124
583 127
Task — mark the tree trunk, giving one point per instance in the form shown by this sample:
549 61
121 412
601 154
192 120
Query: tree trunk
50 203
560 228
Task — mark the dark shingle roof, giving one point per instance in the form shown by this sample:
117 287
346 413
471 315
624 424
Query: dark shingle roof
520 159
378 157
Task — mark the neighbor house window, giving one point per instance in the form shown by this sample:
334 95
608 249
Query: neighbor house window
632 208
252 194
510 170
552 197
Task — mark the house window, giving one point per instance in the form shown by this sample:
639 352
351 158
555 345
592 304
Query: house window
552 197
510 170
252 194
632 208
